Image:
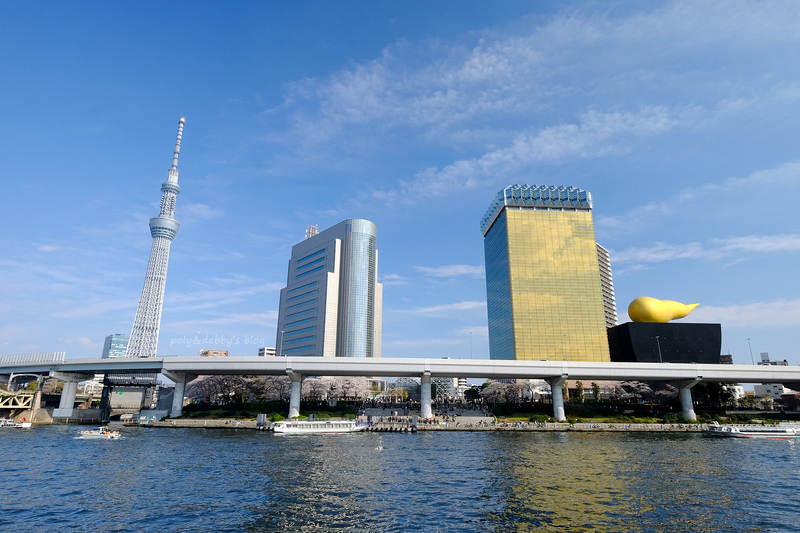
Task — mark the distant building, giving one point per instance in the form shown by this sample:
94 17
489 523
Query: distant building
331 306
115 346
213 353
266 352
773 390
766 362
670 342
544 293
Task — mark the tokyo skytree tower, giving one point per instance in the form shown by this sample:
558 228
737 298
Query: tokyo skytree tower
144 335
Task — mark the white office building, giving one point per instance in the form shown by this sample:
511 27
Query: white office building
331 306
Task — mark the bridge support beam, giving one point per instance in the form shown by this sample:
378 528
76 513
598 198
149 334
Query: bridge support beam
557 392
181 379
296 389
687 404
68 392
425 410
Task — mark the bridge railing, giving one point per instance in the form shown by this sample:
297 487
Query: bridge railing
49 357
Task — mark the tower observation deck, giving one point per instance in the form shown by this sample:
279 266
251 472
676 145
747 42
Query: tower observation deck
163 228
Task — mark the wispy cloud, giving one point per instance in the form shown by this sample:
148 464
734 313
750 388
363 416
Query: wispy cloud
714 249
449 309
451 271
200 211
393 280
595 135
237 319
773 314
783 177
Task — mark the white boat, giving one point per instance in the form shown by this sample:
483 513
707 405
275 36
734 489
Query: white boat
753 432
99 433
317 426
7 423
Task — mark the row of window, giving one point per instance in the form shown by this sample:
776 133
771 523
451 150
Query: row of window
301 287
301 304
299 313
314 262
298 322
293 298
309 272
298 349
309 256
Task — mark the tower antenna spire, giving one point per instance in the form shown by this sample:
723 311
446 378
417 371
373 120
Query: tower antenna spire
181 122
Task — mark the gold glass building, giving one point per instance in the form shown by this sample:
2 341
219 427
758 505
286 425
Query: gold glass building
543 286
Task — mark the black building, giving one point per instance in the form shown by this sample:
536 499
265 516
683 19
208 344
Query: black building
641 342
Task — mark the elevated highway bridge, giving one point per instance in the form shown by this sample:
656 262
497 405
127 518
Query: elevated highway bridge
182 370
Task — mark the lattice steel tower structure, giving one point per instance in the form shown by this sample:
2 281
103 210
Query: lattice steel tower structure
144 335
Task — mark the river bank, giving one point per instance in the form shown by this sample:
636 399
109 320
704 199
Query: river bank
449 426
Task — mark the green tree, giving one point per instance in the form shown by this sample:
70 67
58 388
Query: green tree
579 390
596 391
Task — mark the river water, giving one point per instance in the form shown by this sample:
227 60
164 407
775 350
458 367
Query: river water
239 480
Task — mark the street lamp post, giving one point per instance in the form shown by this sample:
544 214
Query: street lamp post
470 345
658 343
751 351
280 351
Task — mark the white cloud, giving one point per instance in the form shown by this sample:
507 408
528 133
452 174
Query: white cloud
595 135
781 178
450 271
714 249
191 210
393 280
415 343
449 309
476 331
774 314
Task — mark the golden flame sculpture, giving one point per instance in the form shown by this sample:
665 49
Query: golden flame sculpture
647 309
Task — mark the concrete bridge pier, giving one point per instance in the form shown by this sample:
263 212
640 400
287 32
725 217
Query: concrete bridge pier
181 379
68 392
297 386
425 410
557 392
686 399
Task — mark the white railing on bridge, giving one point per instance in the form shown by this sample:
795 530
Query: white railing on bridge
49 357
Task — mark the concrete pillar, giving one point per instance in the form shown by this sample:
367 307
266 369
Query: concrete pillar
425 410
687 404
294 400
67 402
557 391
181 379
558 403
177 399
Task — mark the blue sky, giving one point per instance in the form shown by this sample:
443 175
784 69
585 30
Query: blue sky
679 117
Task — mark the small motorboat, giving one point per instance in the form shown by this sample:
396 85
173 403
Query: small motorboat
99 433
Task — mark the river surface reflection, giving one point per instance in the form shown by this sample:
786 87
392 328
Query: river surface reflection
229 480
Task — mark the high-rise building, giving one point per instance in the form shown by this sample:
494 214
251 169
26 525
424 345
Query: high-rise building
607 286
116 345
332 303
144 335
544 294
